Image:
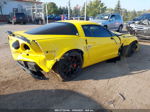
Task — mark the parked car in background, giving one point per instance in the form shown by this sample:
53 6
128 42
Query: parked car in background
110 21
17 18
138 19
54 17
141 29
140 26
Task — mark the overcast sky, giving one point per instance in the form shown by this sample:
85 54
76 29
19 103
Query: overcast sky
128 4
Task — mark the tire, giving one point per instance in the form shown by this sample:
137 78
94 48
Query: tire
120 28
68 67
128 51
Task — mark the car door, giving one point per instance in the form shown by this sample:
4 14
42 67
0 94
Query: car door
118 22
101 44
112 21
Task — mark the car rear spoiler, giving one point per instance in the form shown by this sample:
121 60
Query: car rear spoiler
10 33
19 37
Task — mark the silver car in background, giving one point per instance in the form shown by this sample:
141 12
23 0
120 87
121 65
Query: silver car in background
110 21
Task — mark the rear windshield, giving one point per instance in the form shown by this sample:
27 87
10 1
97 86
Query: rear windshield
55 28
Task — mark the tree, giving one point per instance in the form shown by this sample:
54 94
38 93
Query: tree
118 7
95 7
82 10
110 10
76 11
132 14
52 8
62 10
1 5
125 14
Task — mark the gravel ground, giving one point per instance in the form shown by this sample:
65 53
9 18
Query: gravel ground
121 85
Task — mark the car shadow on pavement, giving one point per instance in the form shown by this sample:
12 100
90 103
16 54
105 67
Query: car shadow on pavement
138 63
48 99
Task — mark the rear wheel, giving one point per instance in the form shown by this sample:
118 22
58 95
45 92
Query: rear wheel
68 66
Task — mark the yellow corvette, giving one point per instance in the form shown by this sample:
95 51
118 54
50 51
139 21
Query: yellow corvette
67 47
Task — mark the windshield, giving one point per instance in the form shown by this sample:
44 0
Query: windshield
103 16
142 17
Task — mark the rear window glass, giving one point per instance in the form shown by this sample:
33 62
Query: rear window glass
56 28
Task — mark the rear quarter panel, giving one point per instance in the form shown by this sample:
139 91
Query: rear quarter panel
55 48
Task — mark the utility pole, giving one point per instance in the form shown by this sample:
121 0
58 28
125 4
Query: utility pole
43 13
85 12
46 13
69 10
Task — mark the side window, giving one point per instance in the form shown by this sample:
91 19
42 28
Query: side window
95 31
113 17
118 17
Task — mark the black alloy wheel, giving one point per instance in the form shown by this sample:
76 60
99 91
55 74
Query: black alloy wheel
69 66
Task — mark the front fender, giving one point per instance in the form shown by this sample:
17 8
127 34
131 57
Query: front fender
128 39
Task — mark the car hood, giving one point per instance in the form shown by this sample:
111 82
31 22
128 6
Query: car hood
122 35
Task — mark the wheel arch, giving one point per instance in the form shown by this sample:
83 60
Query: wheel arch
75 50
68 51
123 47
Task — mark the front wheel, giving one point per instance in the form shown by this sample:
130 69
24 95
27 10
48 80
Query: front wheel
120 28
130 50
68 66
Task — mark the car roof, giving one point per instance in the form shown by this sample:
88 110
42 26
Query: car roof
78 22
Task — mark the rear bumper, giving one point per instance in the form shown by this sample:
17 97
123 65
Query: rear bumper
40 61
33 69
31 66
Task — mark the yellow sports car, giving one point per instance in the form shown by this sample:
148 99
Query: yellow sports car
67 46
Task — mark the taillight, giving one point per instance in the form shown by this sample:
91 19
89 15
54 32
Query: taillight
26 47
16 45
